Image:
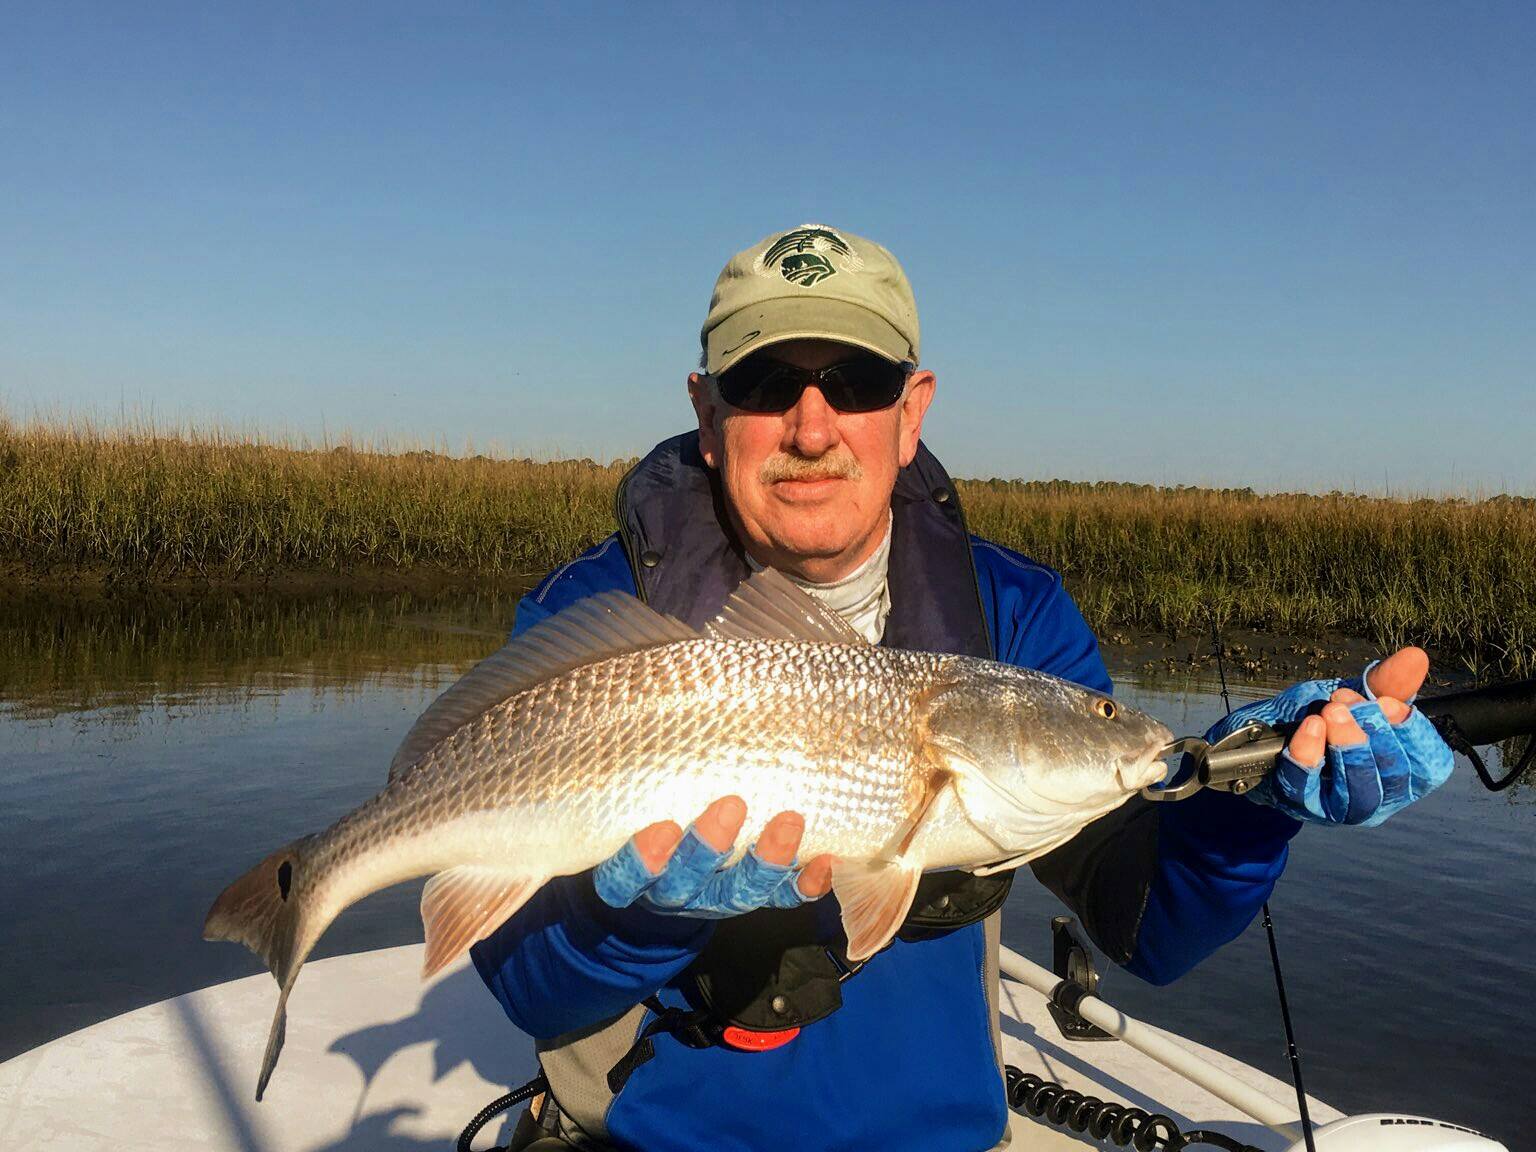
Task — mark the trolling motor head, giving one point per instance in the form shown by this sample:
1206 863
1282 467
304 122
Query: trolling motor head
1388 1132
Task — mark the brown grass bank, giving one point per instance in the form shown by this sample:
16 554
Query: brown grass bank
145 508
1455 575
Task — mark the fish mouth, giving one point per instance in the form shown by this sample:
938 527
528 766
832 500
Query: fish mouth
1133 772
1147 768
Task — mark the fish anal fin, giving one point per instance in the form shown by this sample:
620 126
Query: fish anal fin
770 606
875 896
466 904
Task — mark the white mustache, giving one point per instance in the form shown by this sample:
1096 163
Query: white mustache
835 466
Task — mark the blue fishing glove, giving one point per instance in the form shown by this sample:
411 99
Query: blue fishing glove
1359 784
694 884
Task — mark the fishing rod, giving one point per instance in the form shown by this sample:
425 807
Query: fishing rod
1465 720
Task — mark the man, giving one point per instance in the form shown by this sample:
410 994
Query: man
664 1016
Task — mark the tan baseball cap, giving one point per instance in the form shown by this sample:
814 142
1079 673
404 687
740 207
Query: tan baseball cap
812 282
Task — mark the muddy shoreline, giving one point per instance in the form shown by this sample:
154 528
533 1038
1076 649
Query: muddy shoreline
17 581
1260 658
59 603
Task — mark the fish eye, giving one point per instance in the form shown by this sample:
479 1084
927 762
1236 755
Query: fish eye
1105 708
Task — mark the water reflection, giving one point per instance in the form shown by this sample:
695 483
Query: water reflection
120 653
153 749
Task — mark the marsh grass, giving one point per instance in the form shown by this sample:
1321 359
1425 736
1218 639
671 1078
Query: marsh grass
144 505
151 507
1455 575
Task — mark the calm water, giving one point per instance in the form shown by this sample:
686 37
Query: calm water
150 752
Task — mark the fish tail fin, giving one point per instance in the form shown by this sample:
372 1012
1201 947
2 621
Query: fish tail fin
269 912
263 911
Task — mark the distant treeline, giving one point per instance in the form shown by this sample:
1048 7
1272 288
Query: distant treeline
146 508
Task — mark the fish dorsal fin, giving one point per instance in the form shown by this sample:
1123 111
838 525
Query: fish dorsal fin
769 606
597 628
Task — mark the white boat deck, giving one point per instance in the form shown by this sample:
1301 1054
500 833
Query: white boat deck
375 1061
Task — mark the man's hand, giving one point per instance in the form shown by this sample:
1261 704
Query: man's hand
1359 759
678 873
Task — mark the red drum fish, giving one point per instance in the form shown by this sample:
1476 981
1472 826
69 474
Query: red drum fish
547 756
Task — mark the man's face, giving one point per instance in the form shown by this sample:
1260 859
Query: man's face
809 489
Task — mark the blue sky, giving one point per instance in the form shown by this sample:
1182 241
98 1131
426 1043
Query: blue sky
1286 245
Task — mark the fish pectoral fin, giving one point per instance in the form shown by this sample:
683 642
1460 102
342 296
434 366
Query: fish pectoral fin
875 896
466 904
901 843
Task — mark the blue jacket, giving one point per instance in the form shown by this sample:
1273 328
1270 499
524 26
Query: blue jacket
908 1060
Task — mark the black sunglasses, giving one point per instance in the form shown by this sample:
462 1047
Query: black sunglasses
866 383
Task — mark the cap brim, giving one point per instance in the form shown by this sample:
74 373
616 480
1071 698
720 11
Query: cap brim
807 318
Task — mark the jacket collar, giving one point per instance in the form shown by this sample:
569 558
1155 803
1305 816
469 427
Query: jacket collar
686 559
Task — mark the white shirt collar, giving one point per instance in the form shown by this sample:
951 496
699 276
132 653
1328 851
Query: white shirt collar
863 597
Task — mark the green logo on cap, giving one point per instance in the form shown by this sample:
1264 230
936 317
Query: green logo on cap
801 255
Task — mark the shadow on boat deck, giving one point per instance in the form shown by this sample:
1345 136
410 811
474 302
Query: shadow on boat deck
464 1025
456 1016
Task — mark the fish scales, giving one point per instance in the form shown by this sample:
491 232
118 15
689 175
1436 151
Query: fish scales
822 730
